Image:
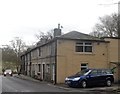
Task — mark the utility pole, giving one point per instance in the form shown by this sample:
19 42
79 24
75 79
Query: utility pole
119 19
119 40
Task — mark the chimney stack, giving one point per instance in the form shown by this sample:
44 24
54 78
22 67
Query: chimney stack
57 31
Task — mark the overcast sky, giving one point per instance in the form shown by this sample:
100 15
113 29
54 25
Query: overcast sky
24 18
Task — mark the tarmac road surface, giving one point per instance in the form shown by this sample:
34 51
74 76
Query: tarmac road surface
13 84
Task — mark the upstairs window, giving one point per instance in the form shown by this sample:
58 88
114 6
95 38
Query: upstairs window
83 47
39 51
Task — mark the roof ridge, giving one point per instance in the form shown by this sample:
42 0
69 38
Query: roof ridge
78 35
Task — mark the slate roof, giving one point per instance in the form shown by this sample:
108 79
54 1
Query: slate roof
78 35
73 35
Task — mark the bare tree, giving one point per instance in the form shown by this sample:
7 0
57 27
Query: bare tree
107 26
9 58
48 35
97 34
40 35
18 47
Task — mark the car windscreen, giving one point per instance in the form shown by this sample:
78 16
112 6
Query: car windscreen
8 71
83 72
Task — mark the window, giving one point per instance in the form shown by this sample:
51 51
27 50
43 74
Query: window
83 47
99 72
39 51
84 66
39 67
48 68
106 71
94 72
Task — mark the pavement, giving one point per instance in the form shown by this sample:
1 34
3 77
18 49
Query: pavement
113 88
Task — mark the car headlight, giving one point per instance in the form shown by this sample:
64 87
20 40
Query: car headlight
4 72
76 79
66 79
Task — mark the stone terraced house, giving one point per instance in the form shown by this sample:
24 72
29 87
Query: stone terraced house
66 54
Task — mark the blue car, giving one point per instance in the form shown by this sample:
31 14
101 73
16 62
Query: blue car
89 77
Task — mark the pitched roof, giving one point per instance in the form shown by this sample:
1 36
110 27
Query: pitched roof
78 35
74 35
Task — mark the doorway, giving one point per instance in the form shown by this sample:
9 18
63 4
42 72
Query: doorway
43 71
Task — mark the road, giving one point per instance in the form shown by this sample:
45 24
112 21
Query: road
13 84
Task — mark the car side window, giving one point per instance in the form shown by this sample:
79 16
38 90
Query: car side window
94 72
103 71
108 72
99 72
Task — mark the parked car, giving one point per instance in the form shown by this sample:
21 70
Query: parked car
8 72
89 77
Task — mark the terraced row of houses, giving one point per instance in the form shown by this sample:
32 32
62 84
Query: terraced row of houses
66 54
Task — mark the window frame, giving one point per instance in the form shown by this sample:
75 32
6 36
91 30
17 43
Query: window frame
47 68
39 51
83 46
39 67
84 67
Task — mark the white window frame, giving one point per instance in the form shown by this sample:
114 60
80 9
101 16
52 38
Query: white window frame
48 68
84 67
83 44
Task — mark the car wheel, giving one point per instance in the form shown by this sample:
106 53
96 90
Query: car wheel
108 82
84 84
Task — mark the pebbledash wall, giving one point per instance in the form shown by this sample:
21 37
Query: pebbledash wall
67 54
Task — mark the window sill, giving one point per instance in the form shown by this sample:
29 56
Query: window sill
85 53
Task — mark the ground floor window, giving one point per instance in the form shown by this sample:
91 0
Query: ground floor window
84 66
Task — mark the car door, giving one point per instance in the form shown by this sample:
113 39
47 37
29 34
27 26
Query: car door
100 76
93 77
105 75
